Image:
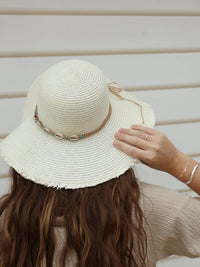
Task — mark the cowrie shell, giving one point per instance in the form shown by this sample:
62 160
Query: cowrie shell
59 136
74 137
47 130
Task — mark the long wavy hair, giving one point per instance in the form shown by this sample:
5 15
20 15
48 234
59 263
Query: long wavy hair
98 221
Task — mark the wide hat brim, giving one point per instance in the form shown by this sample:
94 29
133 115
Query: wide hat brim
49 161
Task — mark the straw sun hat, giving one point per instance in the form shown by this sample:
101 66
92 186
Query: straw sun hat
65 139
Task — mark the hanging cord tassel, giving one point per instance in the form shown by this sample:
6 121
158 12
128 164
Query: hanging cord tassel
115 89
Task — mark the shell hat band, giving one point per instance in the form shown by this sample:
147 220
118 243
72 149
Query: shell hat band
115 89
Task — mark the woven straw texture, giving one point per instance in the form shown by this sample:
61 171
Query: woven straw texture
73 98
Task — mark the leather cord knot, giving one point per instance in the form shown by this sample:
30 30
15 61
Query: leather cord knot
115 89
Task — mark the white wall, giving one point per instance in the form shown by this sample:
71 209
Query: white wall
151 48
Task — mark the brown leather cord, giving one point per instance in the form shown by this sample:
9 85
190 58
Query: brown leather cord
72 137
113 89
116 89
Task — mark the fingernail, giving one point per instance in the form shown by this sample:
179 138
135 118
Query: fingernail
121 130
133 125
116 134
116 143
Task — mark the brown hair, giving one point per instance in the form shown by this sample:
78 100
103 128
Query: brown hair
103 223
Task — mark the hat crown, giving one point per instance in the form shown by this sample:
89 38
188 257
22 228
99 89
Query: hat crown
73 97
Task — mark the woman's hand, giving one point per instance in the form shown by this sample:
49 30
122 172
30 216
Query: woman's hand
157 151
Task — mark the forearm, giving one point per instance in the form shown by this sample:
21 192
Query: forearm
178 167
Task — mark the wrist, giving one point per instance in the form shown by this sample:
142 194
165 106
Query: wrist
182 162
178 164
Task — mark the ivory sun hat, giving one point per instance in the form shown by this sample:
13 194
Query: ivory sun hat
65 138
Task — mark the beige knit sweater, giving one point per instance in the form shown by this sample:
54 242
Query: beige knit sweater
174 220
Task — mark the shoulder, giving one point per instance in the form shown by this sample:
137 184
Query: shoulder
174 220
165 206
163 197
168 210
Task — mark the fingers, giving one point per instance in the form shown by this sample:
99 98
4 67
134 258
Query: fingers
134 139
143 128
155 150
137 133
131 151
134 143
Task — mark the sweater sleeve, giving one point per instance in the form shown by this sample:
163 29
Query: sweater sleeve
174 220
